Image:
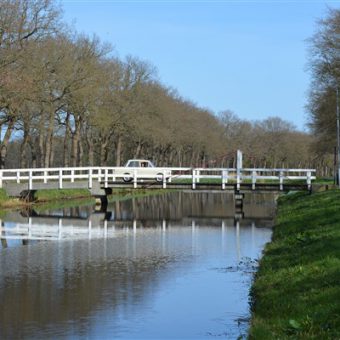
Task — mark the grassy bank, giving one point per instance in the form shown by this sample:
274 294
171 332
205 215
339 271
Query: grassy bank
60 194
41 196
3 196
53 198
296 293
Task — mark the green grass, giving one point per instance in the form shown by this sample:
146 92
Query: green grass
296 293
3 195
59 194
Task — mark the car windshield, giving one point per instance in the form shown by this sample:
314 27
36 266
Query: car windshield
138 164
132 164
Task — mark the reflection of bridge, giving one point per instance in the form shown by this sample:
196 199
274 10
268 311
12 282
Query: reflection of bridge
36 229
82 279
162 212
100 180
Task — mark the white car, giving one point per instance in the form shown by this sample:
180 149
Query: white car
145 169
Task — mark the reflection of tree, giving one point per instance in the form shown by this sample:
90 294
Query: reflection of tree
49 289
174 206
178 205
55 285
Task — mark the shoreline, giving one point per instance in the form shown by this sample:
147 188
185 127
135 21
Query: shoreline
296 292
57 196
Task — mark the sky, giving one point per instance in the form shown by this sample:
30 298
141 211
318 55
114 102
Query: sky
250 57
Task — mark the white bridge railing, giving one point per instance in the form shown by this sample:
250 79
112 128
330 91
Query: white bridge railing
112 175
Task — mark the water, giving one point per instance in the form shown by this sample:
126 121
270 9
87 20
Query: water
177 265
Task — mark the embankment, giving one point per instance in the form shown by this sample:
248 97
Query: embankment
71 195
40 196
296 292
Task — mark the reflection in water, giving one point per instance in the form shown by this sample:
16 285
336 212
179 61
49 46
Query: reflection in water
150 267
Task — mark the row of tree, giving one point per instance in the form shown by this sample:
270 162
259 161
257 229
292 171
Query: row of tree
67 100
324 65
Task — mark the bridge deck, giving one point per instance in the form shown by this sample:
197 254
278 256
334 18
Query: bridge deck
209 186
17 180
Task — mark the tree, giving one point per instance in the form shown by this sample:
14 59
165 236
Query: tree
325 69
21 23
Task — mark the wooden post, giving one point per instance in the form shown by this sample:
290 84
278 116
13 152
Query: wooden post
309 180
106 178
225 175
281 180
90 178
135 178
238 169
193 179
164 179
30 180
18 177
45 177
197 176
253 180
60 178
72 176
238 181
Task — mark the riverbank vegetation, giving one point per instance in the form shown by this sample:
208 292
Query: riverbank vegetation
60 194
296 292
324 63
67 99
47 198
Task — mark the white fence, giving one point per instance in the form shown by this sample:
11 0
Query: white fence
140 176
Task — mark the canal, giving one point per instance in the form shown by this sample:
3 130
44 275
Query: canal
175 265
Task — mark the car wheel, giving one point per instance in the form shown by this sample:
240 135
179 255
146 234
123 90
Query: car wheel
159 177
127 178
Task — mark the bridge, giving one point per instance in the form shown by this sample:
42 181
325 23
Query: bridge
101 180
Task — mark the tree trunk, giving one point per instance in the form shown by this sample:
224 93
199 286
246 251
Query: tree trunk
81 153
33 153
66 156
23 149
138 150
40 152
179 154
75 141
4 144
90 145
119 147
103 152
52 153
90 151
49 138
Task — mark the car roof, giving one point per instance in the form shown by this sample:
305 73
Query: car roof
139 160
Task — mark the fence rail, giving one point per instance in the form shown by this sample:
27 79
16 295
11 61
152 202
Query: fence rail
112 175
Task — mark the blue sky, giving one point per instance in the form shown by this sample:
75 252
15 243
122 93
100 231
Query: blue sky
246 56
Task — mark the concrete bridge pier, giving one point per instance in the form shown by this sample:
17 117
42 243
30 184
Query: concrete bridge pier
101 203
